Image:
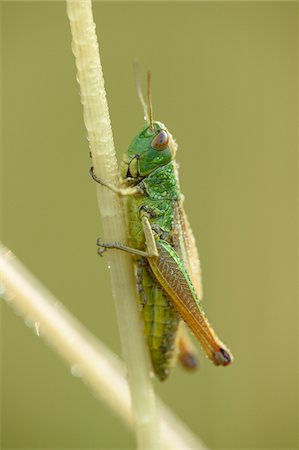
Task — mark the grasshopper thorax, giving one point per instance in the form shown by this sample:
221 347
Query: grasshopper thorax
150 149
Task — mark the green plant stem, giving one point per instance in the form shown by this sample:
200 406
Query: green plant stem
87 357
97 122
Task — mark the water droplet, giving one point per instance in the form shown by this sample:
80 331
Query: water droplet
76 371
37 328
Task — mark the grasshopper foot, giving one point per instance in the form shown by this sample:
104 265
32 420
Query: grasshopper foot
122 192
102 248
101 251
93 175
103 183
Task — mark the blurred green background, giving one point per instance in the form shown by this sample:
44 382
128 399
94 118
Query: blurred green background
225 84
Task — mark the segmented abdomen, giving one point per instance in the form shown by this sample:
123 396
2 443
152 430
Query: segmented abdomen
160 324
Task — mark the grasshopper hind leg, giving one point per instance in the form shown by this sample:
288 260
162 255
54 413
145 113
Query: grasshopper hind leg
188 355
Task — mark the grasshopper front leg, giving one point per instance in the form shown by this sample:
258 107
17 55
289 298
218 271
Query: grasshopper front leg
123 192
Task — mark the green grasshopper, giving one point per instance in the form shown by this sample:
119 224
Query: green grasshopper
166 260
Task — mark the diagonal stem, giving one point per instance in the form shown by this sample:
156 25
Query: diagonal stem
88 358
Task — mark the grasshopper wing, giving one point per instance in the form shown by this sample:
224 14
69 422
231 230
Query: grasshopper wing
182 235
185 245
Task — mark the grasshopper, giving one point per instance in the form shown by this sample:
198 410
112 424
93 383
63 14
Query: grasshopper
164 251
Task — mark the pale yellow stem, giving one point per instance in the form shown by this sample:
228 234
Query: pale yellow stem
97 122
87 357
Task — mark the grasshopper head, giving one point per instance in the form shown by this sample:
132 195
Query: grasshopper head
153 147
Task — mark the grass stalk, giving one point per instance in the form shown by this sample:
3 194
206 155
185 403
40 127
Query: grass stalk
97 122
87 357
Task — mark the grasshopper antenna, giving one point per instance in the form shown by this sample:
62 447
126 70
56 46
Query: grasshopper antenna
149 99
139 90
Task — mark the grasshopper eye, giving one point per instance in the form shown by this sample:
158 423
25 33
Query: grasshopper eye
160 142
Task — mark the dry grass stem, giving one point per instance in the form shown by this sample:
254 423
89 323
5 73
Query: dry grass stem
87 358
